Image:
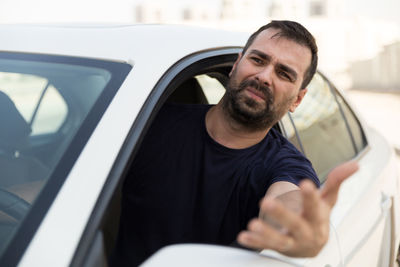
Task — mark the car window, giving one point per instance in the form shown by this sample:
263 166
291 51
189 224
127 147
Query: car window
36 99
48 107
51 112
322 129
354 124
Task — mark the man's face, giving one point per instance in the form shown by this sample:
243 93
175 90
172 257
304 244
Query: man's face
265 81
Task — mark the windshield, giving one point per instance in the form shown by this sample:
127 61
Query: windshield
48 108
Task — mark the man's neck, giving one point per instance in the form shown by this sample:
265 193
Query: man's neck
227 132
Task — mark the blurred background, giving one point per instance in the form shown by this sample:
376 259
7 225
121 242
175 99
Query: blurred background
359 40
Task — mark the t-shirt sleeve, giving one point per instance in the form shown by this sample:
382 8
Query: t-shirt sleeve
291 165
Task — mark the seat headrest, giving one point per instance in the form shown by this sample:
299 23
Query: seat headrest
14 130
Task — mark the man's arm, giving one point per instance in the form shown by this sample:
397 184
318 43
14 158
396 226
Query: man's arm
297 220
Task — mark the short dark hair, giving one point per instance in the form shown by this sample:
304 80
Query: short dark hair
296 32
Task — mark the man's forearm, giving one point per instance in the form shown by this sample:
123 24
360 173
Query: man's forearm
291 199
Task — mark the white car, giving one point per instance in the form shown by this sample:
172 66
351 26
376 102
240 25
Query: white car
75 103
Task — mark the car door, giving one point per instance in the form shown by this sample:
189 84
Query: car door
328 132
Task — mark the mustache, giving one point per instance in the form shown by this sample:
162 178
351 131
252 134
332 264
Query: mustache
265 90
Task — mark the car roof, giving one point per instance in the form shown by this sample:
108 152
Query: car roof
116 42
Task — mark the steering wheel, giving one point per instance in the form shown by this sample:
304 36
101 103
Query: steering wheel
13 205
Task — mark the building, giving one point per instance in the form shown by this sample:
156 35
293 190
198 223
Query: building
380 73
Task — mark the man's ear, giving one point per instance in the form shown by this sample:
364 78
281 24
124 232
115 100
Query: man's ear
297 102
235 64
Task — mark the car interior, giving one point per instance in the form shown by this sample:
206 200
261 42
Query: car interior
16 166
21 174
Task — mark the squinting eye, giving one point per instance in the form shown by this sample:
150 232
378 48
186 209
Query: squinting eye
257 60
284 75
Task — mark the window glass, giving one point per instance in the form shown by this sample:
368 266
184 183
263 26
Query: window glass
322 129
48 107
51 113
354 124
24 90
44 115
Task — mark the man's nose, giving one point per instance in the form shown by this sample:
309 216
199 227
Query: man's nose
265 75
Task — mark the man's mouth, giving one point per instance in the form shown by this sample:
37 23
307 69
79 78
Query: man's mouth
255 94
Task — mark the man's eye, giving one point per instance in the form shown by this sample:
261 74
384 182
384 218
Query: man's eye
257 60
285 75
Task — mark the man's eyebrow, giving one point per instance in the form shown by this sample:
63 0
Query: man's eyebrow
260 54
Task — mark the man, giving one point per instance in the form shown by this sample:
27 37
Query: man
201 171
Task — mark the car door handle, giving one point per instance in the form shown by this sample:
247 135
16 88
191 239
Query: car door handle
386 202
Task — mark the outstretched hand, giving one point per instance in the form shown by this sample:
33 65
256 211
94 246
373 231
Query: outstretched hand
301 231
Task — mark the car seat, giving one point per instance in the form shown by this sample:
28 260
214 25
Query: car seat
15 166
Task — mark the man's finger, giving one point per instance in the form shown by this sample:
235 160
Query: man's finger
335 178
287 220
311 202
262 236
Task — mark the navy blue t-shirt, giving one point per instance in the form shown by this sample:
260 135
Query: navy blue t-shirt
185 187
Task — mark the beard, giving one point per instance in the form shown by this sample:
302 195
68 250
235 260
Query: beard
246 111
